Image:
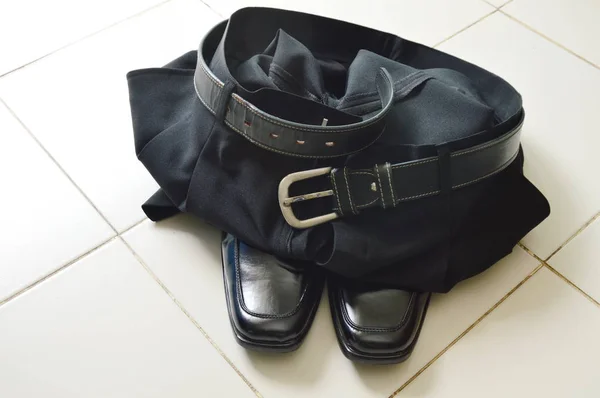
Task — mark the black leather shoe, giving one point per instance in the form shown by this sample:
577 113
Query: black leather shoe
375 325
271 302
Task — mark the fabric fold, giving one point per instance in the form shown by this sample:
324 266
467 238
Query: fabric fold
301 67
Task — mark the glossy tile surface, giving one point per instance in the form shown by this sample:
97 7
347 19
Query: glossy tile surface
76 102
570 23
185 255
46 222
104 328
85 313
402 17
528 347
579 260
497 3
31 29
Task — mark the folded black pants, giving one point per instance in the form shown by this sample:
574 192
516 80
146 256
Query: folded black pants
273 92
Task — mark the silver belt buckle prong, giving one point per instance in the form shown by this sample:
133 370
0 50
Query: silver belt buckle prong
285 201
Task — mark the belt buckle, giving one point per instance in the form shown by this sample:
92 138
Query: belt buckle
286 202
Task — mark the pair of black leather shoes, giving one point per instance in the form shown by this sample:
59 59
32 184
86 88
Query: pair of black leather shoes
272 304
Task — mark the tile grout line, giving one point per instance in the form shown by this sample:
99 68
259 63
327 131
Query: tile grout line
68 263
532 254
565 279
465 28
137 223
119 234
541 262
13 113
549 39
87 36
214 10
153 276
505 4
570 238
561 276
189 316
495 6
58 165
467 330
56 271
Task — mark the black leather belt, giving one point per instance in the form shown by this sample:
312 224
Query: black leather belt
387 185
289 138
384 185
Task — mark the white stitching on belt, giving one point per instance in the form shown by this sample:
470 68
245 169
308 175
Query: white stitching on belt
209 75
348 189
391 187
268 119
400 166
394 201
418 196
380 190
337 196
201 100
361 172
499 169
268 148
461 153
489 144
367 204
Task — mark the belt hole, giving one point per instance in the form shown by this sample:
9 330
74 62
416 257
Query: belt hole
300 142
330 143
273 135
247 124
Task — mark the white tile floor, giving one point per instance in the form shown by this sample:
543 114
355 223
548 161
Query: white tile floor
95 301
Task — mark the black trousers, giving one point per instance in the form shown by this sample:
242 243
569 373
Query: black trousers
303 69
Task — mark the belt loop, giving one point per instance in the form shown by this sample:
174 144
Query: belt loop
383 173
444 166
223 100
342 191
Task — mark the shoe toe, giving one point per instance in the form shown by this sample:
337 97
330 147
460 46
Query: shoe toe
376 325
265 329
271 302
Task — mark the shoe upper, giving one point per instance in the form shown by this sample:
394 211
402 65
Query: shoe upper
269 299
372 320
